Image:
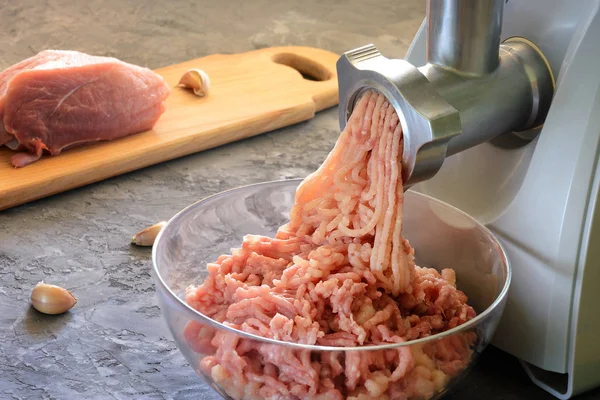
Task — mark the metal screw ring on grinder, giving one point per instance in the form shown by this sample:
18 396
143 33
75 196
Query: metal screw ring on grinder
428 121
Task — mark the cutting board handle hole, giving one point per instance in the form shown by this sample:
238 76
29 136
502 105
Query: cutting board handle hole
309 69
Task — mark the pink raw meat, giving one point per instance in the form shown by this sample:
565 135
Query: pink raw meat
58 99
341 274
6 75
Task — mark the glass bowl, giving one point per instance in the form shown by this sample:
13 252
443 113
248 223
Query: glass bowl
442 236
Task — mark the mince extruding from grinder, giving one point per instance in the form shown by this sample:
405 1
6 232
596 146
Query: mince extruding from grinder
58 99
338 274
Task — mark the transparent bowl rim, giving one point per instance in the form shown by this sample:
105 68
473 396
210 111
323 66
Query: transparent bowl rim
209 321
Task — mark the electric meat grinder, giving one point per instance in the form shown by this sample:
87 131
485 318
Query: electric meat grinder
499 102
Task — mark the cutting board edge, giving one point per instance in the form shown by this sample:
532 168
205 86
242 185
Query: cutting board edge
140 161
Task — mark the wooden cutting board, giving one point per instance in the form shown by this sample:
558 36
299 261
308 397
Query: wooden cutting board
251 93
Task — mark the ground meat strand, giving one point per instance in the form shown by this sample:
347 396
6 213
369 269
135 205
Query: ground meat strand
338 274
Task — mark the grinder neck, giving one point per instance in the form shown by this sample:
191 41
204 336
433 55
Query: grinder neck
464 35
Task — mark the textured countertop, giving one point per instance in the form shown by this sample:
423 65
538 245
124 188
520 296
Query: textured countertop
114 343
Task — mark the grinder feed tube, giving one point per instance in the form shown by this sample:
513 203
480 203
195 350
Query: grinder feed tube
471 90
464 35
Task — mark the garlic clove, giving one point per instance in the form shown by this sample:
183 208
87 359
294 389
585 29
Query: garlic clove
197 80
147 236
51 299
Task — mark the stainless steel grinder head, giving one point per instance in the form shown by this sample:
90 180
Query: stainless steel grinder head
428 121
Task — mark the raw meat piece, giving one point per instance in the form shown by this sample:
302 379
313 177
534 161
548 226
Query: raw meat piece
338 274
9 73
58 99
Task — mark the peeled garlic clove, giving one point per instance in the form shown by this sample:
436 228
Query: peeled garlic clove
197 80
146 237
51 299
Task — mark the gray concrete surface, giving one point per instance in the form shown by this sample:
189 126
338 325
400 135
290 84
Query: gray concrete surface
114 344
